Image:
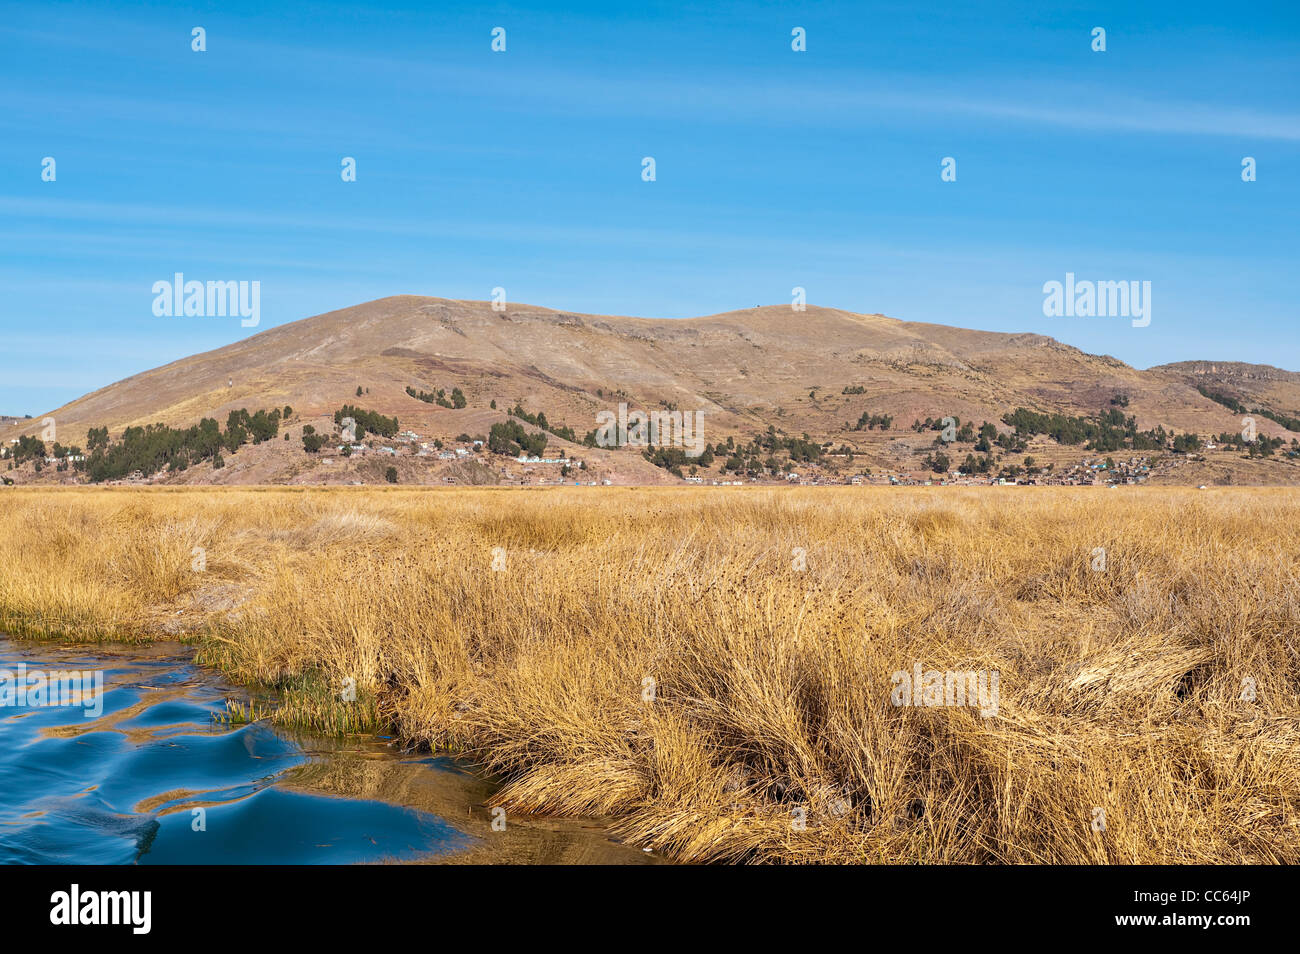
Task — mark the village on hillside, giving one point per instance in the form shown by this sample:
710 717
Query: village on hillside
408 457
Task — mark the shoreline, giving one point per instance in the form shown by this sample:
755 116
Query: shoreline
360 767
768 734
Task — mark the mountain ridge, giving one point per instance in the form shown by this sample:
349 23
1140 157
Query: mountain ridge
810 372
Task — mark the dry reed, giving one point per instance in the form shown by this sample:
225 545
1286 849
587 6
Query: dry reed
659 656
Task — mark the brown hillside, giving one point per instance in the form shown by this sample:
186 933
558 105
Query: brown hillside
746 370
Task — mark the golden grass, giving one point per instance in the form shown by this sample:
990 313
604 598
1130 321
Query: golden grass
771 735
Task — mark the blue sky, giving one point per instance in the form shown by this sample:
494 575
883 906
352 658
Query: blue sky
522 169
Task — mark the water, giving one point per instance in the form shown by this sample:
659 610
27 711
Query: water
122 787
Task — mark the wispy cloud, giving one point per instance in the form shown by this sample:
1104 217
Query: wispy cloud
847 100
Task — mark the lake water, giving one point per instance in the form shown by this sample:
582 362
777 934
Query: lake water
121 786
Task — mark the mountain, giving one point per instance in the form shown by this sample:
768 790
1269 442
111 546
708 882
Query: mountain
745 370
1255 385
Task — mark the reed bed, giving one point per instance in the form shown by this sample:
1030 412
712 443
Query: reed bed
716 668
